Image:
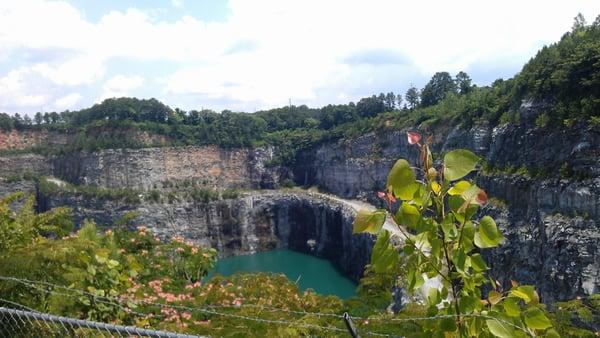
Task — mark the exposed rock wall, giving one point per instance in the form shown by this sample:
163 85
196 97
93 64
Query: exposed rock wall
18 165
150 167
19 140
34 138
354 168
254 222
552 224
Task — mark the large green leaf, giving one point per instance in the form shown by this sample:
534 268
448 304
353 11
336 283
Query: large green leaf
458 163
384 257
511 306
408 215
402 180
478 263
467 304
459 188
488 235
500 329
536 319
414 278
526 293
368 221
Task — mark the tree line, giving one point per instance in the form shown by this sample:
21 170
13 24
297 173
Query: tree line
564 75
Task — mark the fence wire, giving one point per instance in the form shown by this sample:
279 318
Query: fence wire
21 324
102 329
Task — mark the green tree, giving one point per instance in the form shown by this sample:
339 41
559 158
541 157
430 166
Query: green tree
21 228
370 106
390 101
463 82
38 118
436 89
412 97
399 101
578 22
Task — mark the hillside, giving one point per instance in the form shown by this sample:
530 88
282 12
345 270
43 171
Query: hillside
564 77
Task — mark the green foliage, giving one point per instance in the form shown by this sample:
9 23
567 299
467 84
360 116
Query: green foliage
369 221
100 264
288 183
153 196
577 317
401 179
49 187
230 194
458 163
542 120
384 256
203 195
565 74
20 229
443 241
436 89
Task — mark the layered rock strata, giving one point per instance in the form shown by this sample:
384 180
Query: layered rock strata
257 221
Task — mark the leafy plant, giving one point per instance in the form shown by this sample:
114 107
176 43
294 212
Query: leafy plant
542 120
434 216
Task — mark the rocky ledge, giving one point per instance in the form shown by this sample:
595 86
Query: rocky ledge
257 221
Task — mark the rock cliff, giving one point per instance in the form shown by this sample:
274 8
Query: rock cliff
256 221
151 167
546 181
548 178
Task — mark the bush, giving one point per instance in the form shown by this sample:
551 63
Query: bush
542 120
288 183
153 196
203 195
230 194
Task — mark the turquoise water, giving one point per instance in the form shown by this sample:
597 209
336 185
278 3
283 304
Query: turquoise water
310 272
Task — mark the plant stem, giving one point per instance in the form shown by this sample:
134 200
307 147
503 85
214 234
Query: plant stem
441 215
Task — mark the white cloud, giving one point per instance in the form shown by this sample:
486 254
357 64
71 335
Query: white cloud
14 92
177 3
271 50
120 85
67 102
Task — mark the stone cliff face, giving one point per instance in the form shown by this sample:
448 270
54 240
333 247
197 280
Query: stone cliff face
19 140
354 168
42 138
151 167
553 224
255 222
16 165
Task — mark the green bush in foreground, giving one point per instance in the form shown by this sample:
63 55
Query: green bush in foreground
442 241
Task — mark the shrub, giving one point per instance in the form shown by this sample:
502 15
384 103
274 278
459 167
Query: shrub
203 195
437 213
542 120
153 196
288 183
230 194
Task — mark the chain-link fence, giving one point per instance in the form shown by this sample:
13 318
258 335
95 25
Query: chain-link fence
19 323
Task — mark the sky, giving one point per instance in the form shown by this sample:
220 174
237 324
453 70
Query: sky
250 55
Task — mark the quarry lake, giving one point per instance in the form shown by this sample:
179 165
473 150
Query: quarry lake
310 272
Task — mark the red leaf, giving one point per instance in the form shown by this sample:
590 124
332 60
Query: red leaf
481 198
391 197
413 137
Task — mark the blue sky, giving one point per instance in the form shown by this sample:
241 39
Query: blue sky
249 55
